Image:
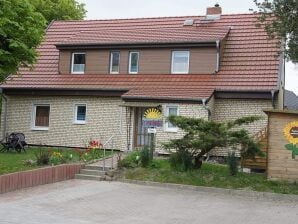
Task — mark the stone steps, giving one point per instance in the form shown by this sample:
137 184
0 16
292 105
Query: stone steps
89 177
95 172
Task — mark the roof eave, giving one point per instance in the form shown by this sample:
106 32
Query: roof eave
211 43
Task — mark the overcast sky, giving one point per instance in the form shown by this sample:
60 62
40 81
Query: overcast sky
114 9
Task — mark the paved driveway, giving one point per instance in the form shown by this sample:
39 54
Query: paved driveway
78 201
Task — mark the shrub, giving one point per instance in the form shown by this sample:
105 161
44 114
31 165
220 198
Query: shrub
181 160
233 163
42 157
132 160
57 158
145 157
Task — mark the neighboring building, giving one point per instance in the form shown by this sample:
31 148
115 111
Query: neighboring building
291 100
94 79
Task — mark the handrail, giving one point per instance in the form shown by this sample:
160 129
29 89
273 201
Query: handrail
104 151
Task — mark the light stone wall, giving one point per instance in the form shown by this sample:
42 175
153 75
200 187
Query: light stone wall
187 110
103 120
231 109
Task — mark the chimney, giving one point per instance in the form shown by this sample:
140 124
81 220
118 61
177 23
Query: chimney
213 13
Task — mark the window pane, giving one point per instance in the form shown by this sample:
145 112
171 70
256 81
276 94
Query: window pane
78 63
180 61
172 111
134 58
115 57
42 116
81 113
79 58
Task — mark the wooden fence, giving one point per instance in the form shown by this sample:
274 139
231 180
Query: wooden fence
31 178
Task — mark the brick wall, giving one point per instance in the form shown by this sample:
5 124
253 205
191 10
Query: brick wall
103 120
230 109
187 110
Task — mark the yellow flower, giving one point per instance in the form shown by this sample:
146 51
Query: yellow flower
289 130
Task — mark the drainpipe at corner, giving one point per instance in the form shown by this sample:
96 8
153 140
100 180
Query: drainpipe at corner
272 98
5 113
206 108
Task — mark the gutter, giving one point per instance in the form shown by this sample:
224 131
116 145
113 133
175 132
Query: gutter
204 101
5 105
272 98
217 56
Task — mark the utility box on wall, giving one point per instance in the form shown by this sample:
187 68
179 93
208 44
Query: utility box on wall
282 157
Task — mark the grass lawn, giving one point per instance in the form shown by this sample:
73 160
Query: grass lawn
211 175
13 162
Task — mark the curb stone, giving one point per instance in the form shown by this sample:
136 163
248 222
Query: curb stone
232 192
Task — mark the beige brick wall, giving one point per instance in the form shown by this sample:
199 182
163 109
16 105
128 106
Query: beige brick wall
187 110
104 117
230 109
103 120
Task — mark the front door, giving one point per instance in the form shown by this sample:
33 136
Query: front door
141 133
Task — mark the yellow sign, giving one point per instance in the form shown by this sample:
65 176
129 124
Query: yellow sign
152 114
152 118
291 134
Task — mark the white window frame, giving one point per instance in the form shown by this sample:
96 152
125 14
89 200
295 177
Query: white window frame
75 121
33 118
172 65
129 68
167 128
72 63
111 62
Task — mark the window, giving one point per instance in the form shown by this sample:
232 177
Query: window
115 62
80 114
171 110
180 62
41 117
133 62
78 63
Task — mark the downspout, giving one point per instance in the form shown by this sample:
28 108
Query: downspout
272 98
217 56
4 115
206 108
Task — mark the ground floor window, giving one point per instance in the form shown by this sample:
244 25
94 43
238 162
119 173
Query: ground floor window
41 116
171 110
80 114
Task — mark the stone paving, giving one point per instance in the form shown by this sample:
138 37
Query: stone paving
84 202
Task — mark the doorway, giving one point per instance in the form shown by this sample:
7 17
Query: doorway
141 138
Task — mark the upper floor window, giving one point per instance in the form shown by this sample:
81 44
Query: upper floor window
133 62
78 63
115 62
180 62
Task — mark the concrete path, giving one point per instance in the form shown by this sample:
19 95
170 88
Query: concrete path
78 201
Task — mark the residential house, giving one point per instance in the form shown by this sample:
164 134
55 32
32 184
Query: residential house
94 79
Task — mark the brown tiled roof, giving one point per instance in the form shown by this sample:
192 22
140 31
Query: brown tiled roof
183 34
249 62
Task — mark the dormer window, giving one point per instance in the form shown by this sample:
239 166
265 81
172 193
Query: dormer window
133 62
180 62
115 62
78 63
